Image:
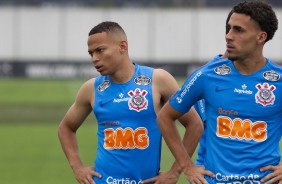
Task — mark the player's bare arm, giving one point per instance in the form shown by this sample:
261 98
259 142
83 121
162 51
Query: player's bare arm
193 130
166 122
167 86
73 119
192 136
164 85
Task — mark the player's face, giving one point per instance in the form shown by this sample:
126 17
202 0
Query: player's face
105 53
242 37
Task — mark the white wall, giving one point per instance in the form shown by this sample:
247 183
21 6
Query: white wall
158 35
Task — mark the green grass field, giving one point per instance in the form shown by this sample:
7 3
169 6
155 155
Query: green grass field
30 111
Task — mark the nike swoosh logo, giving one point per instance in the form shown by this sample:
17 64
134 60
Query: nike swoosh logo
217 88
102 103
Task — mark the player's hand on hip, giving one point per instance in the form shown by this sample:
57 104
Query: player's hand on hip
196 174
273 177
84 175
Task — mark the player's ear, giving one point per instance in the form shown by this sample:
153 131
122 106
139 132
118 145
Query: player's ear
262 36
123 46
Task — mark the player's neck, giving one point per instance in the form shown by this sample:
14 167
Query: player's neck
124 74
250 65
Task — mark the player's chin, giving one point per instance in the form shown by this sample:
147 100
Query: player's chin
231 56
102 71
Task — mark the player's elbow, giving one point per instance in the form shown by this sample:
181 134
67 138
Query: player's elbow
63 129
160 120
199 127
60 129
164 120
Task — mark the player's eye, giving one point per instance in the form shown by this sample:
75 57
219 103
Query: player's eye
100 50
90 53
238 29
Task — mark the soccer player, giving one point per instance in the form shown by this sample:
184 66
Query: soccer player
242 100
125 100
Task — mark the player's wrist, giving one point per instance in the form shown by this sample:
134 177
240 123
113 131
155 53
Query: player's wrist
176 168
186 165
76 165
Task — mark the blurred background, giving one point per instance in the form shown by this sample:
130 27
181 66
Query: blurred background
44 61
47 38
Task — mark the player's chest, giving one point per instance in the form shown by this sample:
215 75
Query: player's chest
124 99
251 95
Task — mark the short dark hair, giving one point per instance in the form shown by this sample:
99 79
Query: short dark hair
260 12
107 27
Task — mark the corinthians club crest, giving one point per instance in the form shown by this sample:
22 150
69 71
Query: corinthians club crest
137 101
265 95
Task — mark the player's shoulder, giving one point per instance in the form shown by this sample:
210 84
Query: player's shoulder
216 58
217 64
273 66
217 61
272 71
160 74
160 71
86 91
164 81
88 84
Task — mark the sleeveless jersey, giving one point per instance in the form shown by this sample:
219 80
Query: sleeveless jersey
129 140
243 118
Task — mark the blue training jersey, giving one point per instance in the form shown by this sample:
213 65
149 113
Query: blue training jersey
129 141
243 118
200 108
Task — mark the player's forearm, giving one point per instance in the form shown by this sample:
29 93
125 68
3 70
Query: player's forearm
173 140
69 145
176 169
192 137
190 140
